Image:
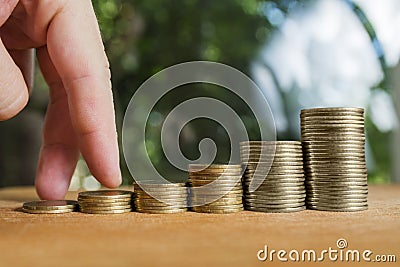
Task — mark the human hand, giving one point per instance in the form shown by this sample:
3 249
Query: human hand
80 115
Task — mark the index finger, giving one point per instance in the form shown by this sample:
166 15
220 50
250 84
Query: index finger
76 49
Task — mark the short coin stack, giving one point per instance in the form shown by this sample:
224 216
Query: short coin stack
278 168
157 197
216 188
105 201
334 158
50 206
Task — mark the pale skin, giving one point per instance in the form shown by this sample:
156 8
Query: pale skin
80 115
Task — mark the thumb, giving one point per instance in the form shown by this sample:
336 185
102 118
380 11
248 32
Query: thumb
6 8
13 89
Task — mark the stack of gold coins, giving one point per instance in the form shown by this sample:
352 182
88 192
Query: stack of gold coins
157 197
216 188
50 206
105 201
334 154
278 169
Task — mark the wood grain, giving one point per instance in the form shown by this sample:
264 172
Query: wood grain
190 239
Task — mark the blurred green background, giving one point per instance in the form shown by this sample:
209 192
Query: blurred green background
299 55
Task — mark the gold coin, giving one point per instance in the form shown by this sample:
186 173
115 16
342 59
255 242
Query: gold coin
334 150
163 197
116 211
105 201
315 154
216 189
217 211
333 139
277 193
348 209
273 143
275 197
313 123
280 154
201 167
333 118
278 178
280 186
270 201
97 204
162 203
262 166
270 146
215 176
337 178
275 174
336 191
264 204
277 152
50 205
329 200
210 198
106 194
334 202
277 183
339 205
269 154
338 145
344 162
219 206
333 131
295 172
338 173
162 191
229 201
275 178
219 192
86 207
232 181
157 207
194 177
335 169
39 211
332 110
337 116
212 205
274 160
172 211
158 184
279 210
330 187
216 185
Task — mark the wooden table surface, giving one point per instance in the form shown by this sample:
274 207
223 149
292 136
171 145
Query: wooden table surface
191 239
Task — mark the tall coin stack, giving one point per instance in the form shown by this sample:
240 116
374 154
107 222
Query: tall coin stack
156 197
105 201
278 168
216 188
334 158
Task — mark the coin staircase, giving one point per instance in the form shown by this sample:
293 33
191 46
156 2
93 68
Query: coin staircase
324 171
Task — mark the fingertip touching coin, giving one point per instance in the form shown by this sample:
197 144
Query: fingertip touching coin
80 116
